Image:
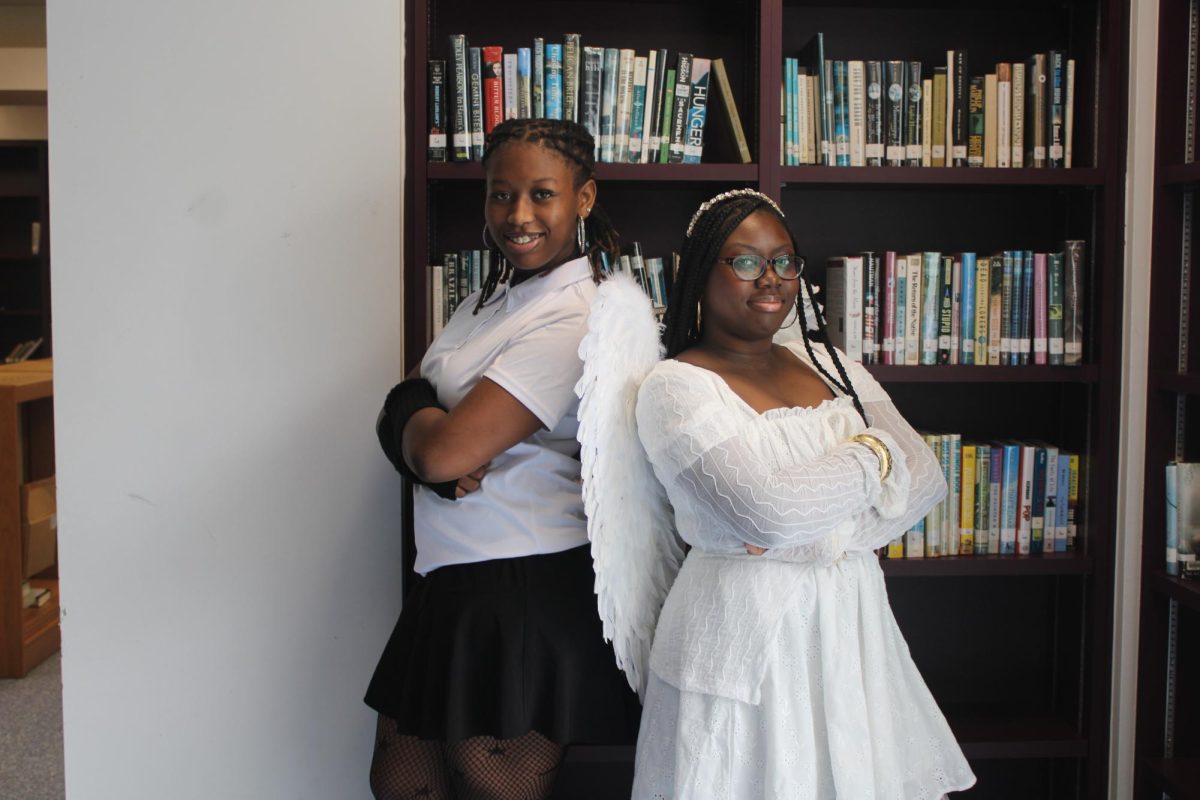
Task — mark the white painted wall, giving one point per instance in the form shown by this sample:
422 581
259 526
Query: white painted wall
225 179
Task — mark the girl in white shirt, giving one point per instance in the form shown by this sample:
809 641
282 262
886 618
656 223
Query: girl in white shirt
498 661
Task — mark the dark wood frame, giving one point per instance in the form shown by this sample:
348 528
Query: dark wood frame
1098 33
1156 770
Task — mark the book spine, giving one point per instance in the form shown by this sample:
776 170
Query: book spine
1073 301
591 91
554 84
983 282
1025 514
693 144
873 148
870 306
1073 504
1006 311
951 534
931 304
1027 309
912 347
647 129
1035 106
1010 499
956 300
493 88
475 78
437 302
1018 115
966 326
511 87
975 122
1055 78
991 121
460 127
1040 311
668 115
1004 115
895 114
683 96
913 115
828 114
571 59
961 120
1014 322
836 311
1062 504
995 310
637 114
797 97
856 344
1051 501
995 499
938 147
450 283
889 308
524 83
622 125
1069 121
966 527
608 105
841 114
926 123
856 97
436 111
900 310
653 122
914 540
933 520
945 308
539 77
983 472
1054 308
1037 514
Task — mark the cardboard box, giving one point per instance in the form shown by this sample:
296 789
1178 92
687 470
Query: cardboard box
39 526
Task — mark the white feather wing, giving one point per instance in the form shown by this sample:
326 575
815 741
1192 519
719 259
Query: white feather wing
636 552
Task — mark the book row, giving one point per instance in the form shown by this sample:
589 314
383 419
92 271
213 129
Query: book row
640 109
1012 308
1004 498
853 113
462 274
1183 519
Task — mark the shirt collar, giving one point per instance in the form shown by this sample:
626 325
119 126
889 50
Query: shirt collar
569 273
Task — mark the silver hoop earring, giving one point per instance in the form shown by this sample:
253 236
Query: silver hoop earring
486 244
581 236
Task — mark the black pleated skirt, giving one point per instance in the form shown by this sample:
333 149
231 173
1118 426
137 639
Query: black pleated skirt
503 647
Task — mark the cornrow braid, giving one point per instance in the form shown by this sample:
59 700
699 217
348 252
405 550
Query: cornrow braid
573 142
681 323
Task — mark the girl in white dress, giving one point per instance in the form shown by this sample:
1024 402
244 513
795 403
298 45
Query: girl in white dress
777 669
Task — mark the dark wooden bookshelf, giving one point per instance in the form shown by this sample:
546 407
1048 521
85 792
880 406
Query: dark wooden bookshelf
24 275
1167 745
1177 777
1071 563
941 176
958 373
1036 636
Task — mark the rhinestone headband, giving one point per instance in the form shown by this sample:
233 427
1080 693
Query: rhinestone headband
729 195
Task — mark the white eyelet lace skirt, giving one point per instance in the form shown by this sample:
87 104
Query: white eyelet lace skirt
843 714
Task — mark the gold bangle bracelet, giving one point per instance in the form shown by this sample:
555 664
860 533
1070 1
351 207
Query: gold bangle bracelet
879 449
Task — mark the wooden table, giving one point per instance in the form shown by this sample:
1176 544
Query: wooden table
27 635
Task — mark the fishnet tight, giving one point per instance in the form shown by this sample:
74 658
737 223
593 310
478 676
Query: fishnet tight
479 768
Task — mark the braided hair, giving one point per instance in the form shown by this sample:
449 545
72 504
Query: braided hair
573 142
709 230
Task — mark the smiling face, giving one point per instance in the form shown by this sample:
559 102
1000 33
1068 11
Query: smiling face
533 203
750 310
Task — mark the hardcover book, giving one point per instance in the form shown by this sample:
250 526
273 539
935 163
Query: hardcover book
693 143
436 111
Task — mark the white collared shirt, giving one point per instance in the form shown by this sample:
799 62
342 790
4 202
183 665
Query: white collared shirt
526 339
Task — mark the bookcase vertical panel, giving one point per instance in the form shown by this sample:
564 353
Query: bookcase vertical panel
1168 732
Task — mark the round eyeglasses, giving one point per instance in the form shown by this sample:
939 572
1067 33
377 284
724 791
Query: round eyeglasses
751 267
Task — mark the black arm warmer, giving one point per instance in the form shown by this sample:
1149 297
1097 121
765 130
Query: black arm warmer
405 399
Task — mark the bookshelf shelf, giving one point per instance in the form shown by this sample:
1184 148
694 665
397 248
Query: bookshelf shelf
940 176
1186 593
1177 777
1019 737
891 373
1182 175
953 566
1180 383
684 173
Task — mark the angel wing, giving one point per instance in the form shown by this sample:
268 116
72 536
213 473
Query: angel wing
636 552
